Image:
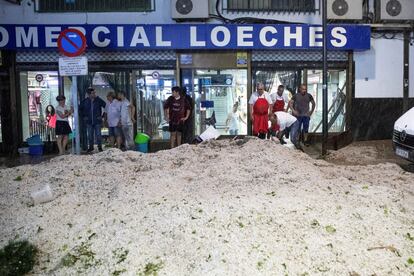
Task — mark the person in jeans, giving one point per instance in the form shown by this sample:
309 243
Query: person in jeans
233 120
127 120
300 108
91 110
286 123
113 119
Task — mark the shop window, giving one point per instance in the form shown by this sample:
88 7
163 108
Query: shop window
4 90
304 6
103 82
292 80
336 99
221 98
38 90
153 88
95 6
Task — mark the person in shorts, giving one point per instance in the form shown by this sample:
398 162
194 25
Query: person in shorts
62 124
113 120
177 111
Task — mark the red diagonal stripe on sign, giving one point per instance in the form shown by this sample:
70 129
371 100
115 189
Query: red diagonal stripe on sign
71 42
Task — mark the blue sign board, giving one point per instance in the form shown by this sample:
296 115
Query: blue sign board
207 104
191 36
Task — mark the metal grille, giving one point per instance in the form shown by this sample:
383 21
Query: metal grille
95 56
408 139
297 55
289 6
95 5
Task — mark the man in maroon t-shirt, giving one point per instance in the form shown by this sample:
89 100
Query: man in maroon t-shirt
177 111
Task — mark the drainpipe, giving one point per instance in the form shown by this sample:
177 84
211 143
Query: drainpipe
324 80
406 70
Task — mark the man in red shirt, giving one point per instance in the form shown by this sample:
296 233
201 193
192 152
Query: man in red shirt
177 111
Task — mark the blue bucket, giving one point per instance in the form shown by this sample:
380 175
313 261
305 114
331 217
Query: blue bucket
142 147
34 140
36 149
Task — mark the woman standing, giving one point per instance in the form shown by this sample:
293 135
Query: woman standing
233 120
62 124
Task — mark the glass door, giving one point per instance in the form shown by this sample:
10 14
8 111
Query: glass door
292 79
103 82
336 99
220 98
38 90
153 87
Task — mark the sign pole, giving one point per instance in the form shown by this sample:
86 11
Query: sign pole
72 43
76 113
325 80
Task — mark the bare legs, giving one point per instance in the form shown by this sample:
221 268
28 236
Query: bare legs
175 139
118 141
62 141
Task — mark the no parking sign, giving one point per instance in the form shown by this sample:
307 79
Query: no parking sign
71 42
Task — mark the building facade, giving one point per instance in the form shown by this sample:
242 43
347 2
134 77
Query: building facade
218 50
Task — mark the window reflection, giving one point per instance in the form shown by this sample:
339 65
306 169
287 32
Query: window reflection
153 88
219 94
38 90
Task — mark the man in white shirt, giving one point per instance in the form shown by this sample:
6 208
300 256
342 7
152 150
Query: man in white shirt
127 120
113 119
287 123
280 100
260 109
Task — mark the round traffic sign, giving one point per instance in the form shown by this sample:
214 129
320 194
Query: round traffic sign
39 77
155 75
71 42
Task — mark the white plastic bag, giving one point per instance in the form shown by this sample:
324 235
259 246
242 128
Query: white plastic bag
43 195
210 133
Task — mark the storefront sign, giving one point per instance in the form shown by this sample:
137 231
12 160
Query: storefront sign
194 36
186 59
39 78
241 59
155 75
73 66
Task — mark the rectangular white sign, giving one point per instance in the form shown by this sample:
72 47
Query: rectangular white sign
73 66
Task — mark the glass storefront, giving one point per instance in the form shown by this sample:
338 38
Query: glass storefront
38 90
293 78
153 87
336 99
221 98
4 87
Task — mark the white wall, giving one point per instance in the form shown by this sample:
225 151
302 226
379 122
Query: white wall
25 14
379 71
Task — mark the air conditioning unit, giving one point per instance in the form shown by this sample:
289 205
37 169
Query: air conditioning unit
394 10
189 9
345 9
